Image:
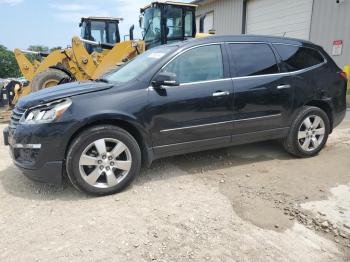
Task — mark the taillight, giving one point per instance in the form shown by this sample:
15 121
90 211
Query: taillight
343 75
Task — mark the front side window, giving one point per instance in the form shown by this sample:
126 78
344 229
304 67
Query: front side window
297 58
198 64
251 59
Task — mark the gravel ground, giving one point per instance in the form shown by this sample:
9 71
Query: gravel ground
244 203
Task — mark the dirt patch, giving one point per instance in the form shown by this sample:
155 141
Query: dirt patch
244 203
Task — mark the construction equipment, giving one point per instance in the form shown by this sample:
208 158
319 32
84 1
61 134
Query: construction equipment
87 58
104 30
99 49
167 22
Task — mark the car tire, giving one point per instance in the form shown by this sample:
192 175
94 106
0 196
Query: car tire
103 160
47 78
305 139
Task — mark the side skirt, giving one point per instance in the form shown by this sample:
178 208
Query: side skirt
226 141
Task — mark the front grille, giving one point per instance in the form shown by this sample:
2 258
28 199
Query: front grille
17 113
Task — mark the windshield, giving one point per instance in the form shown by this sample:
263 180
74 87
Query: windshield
138 65
152 33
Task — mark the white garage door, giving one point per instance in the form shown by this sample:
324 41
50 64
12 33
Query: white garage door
291 18
208 22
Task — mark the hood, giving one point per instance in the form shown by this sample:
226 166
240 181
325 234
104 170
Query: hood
61 91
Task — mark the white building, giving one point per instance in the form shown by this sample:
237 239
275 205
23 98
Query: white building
324 22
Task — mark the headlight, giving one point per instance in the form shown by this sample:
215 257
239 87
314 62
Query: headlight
46 113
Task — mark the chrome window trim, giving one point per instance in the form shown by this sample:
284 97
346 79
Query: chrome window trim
222 122
282 74
205 81
191 83
255 76
246 77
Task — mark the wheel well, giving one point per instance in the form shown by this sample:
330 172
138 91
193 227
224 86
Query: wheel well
119 123
325 107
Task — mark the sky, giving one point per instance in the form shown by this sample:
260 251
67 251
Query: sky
54 23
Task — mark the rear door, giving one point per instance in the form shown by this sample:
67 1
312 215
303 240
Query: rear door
263 96
307 68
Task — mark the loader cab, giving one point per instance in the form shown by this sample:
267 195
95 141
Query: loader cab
167 22
100 29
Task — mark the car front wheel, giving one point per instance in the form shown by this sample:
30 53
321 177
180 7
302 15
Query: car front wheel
103 160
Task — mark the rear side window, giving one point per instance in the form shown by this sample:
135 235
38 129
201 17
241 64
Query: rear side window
198 64
297 58
253 59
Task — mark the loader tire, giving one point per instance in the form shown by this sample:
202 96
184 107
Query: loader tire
47 78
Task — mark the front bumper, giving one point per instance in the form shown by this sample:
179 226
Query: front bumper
37 161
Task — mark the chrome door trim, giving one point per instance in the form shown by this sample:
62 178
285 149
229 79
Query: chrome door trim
258 117
195 126
219 123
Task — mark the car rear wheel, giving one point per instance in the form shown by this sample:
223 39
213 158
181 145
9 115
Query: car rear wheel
103 160
309 132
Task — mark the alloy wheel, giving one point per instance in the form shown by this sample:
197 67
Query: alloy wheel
105 163
311 133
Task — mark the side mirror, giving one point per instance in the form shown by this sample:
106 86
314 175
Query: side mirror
165 79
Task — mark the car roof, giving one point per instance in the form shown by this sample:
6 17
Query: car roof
243 38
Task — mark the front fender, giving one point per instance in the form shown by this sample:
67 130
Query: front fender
116 118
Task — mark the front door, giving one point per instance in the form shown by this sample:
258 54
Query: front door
263 96
199 110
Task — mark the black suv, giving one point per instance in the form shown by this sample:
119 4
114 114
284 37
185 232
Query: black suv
179 98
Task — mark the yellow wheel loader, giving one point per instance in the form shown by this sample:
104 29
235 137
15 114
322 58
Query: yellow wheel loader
87 58
99 49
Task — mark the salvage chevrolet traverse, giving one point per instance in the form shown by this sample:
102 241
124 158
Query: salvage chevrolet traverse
195 95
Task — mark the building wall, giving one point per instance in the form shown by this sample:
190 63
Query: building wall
331 21
227 15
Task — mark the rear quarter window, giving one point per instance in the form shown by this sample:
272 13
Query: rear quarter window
297 57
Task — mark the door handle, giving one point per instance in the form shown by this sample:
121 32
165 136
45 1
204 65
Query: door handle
283 86
221 93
